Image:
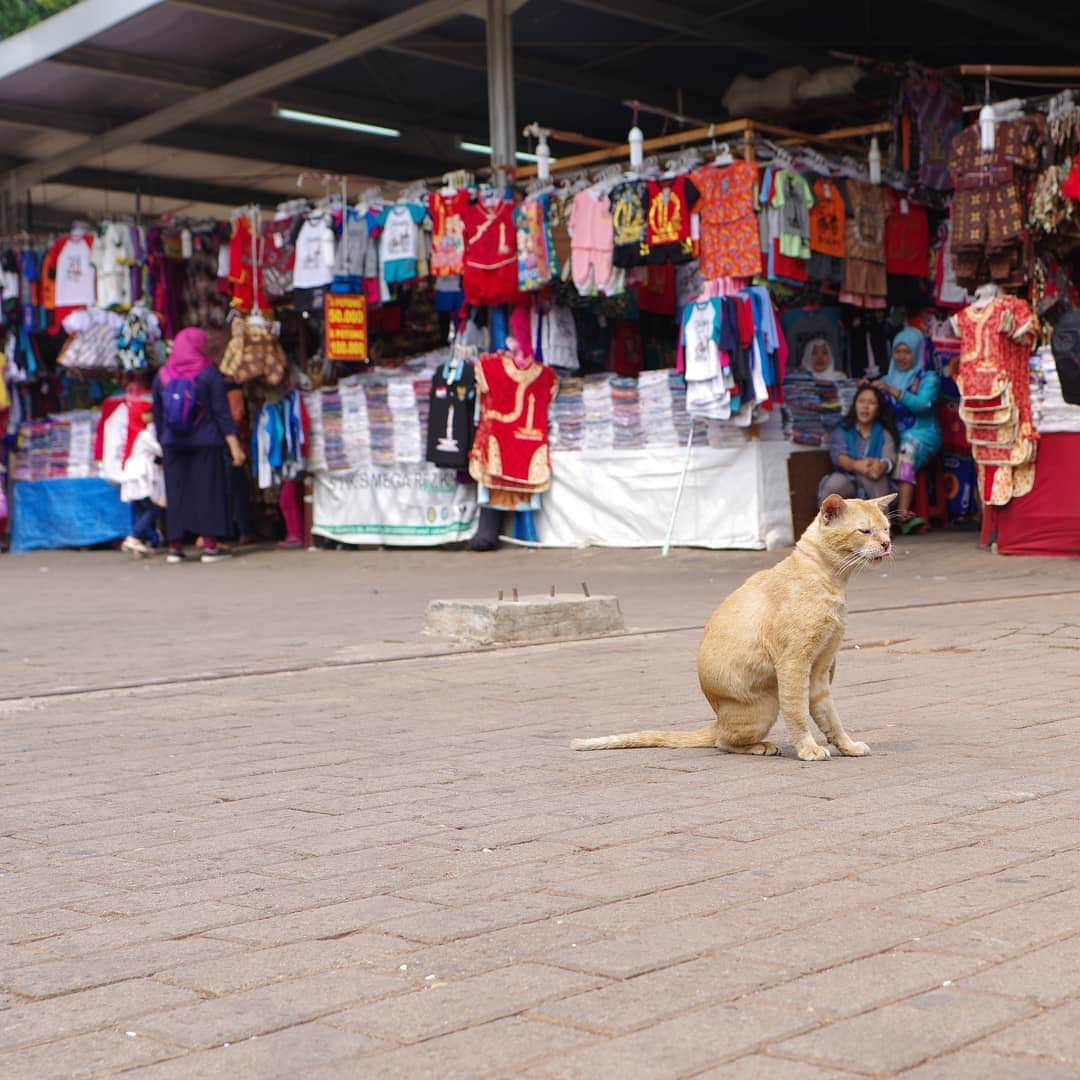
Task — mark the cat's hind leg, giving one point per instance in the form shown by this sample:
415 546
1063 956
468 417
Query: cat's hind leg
741 728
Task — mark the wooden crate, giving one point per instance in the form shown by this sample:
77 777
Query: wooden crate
805 470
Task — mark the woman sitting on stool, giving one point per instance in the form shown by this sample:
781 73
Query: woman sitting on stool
863 450
912 392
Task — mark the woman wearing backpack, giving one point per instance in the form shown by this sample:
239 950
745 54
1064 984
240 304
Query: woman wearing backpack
194 424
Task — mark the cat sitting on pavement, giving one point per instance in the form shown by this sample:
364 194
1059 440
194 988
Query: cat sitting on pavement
771 646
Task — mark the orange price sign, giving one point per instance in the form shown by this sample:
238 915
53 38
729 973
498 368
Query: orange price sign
345 315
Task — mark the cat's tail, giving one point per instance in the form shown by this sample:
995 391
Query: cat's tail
705 736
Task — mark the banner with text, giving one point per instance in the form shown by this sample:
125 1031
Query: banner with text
345 315
397 505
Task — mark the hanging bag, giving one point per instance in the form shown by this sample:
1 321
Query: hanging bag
254 353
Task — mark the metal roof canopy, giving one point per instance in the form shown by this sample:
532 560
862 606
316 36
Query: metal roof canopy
175 98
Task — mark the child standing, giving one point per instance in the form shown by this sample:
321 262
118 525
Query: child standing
143 485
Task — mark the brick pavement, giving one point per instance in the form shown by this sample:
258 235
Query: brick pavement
399 869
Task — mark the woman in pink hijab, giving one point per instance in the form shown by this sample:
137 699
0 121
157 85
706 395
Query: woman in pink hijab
195 427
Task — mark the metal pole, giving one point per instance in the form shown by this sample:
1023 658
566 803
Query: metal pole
666 549
502 120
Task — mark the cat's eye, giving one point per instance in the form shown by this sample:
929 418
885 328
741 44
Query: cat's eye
865 532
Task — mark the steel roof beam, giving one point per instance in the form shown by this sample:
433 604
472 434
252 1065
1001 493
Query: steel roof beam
374 36
1019 20
123 65
678 20
284 16
377 161
64 30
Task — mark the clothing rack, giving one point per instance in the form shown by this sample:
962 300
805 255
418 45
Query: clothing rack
746 128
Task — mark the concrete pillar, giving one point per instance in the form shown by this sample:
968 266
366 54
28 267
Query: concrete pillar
502 118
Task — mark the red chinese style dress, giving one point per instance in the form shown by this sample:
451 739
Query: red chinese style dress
510 451
995 386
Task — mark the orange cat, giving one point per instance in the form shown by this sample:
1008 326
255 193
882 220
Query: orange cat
771 646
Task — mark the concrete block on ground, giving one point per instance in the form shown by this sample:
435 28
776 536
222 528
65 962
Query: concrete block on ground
530 618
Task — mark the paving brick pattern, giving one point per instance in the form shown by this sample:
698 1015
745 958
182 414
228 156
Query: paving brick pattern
398 868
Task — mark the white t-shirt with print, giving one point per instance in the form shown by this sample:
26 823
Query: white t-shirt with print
314 264
76 285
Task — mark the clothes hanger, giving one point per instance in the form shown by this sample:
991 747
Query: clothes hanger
722 154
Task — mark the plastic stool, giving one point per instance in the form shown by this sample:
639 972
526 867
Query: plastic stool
938 509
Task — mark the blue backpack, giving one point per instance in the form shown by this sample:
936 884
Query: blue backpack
179 405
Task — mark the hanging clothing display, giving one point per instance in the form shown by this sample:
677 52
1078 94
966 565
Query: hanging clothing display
668 235
447 233
451 415
399 241
491 272
629 218
592 240
245 262
313 260
75 282
352 247
113 255
926 119
535 251
989 232
555 333
279 440
730 244
994 381
865 280
510 451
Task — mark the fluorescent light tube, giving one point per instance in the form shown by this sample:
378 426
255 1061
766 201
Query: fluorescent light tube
320 120
480 148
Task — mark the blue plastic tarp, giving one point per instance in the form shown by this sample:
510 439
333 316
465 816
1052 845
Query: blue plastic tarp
67 513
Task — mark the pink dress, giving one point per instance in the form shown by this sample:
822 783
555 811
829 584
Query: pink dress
592 239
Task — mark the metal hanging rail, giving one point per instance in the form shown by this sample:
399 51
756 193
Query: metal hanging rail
745 127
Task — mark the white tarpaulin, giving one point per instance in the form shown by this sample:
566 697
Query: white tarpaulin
734 498
401 505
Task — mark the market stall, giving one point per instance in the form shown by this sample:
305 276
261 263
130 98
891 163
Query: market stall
600 351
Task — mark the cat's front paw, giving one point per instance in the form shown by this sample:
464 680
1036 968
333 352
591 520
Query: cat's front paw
854 749
810 751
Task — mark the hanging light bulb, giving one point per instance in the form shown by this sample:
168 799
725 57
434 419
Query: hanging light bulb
543 158
987 127
875 161
637 148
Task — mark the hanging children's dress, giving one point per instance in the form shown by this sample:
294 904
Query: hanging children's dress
491 271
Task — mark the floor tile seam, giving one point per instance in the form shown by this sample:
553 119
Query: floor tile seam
979 844
165 977
126 1020
325 664
771 1052
695 1070
380 929
988 1034
474 1022
947 924
1028 950
659 1018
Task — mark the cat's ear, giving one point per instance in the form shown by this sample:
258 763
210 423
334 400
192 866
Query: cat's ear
832 508
885 500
